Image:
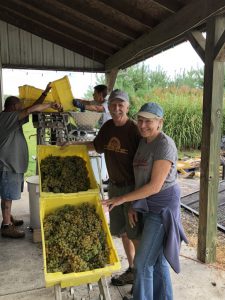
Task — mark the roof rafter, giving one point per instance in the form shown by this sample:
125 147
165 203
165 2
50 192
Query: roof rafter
172 6
61 12
132 11
51 22
168 31
91 9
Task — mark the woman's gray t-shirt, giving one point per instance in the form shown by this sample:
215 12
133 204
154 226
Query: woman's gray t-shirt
162 148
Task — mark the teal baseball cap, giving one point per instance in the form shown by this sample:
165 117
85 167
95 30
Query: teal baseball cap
151 110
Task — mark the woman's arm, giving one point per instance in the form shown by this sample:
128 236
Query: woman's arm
160 171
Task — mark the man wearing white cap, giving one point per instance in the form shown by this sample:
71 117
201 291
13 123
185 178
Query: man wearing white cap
118 139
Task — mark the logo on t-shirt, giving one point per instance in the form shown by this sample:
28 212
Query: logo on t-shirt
114 145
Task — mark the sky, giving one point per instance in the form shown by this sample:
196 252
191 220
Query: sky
174 60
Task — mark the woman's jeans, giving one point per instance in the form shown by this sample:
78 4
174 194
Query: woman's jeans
152 276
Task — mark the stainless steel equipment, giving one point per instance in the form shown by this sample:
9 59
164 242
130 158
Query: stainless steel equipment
56 128
52 128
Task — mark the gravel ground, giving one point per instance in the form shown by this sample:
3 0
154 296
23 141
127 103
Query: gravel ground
190 224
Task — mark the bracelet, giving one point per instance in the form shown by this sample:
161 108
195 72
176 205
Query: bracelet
44 94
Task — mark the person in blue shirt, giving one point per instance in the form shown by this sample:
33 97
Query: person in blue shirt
99 104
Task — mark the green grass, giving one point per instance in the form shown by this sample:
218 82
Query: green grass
189 154
30 134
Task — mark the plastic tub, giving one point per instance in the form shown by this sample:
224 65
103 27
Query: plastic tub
44 151
34 195
49 205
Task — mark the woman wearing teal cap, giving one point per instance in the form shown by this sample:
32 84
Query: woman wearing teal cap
157 197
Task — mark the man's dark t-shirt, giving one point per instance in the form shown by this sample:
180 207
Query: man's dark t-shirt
119 144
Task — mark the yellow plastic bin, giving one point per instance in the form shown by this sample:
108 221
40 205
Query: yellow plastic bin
34 195
44 151
61 92
29 94
49 205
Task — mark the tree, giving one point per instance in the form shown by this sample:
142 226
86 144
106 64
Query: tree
192 78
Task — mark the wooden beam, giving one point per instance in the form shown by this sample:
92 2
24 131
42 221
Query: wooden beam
132 11
111 79
173 27
220 48
210 147
61 11
36 15
93 10
197 41
156 51
170 5
1 85
51 35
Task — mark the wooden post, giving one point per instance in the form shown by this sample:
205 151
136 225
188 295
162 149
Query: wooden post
1 85
111 79
210 147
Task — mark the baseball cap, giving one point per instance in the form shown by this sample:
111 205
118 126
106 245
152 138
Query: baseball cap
118 94
151 110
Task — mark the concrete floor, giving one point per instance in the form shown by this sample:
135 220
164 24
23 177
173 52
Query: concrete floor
21 269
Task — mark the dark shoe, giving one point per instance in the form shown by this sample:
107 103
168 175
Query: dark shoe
16 222
12 232
125 278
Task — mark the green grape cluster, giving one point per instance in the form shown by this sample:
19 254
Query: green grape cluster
75 240
67 174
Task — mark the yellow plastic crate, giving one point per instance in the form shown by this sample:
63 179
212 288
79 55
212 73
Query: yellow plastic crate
29 94
33 93
48 205
61 92
43 151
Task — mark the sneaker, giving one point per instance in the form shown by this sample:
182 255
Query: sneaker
15 221
12 232
125 278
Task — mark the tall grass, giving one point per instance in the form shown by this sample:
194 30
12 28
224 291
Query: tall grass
183 113
30 135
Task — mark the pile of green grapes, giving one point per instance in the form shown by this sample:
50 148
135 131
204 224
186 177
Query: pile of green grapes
64 174
75 240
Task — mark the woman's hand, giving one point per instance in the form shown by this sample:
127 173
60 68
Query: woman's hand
110 203
132 216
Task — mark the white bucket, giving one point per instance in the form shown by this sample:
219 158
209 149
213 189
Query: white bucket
34 195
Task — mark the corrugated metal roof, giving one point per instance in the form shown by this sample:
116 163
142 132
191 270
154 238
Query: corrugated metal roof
111 34
21 49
